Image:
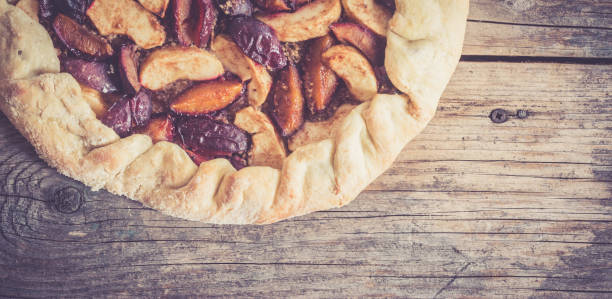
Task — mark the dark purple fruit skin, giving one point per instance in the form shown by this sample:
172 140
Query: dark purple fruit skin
73 8
46 9
194 21
206 21
129 113
93 74
204 134
390 4
80 41
141 108
258 41
235 7
119 117
128 68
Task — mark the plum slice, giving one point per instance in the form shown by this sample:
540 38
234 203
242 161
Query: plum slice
207 97
362 38
390 4
129 113
236 7
320 81
194 21
258 41
128 68
46 9
287 101
96 75
208 135
79 40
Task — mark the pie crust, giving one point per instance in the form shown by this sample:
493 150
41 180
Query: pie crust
424 42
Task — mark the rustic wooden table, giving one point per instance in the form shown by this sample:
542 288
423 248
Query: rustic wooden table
472 208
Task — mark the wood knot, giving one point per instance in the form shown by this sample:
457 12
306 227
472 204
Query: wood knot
67 200
499 116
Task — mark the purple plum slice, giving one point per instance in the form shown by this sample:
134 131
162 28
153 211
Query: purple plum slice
258 41
128 68
204 134
129 113
73 8
79 40
96 75
194 21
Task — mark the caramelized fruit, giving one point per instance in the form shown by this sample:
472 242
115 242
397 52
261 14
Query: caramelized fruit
79 40
287 100
320 81
160 128
207 97
362 38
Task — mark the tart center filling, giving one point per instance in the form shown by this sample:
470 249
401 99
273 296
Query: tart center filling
225 79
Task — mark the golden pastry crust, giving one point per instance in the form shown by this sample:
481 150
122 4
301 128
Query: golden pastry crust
323 172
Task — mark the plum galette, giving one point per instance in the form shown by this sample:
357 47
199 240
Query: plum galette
226 111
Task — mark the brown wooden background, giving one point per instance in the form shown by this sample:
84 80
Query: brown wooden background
470 209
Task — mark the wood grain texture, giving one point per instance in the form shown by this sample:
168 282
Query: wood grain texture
470 209
540 28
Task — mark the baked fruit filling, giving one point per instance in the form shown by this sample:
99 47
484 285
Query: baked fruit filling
230 79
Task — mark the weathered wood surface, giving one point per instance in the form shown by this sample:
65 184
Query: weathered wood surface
470 209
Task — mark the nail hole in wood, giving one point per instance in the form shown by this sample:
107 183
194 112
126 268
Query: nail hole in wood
68 200
499 116
522 114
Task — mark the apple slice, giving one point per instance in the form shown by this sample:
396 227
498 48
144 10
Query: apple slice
235 61
167 65
310 21
320 81
207 97
157 7
79 40
368 13
129 18
287 100
231 56
354 69
267 148
362 38
160 128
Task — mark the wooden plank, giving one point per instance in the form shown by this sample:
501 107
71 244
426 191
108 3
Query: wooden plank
562 13
471 208
484 38
549 28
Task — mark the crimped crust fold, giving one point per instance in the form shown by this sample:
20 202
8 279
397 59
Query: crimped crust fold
423 47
